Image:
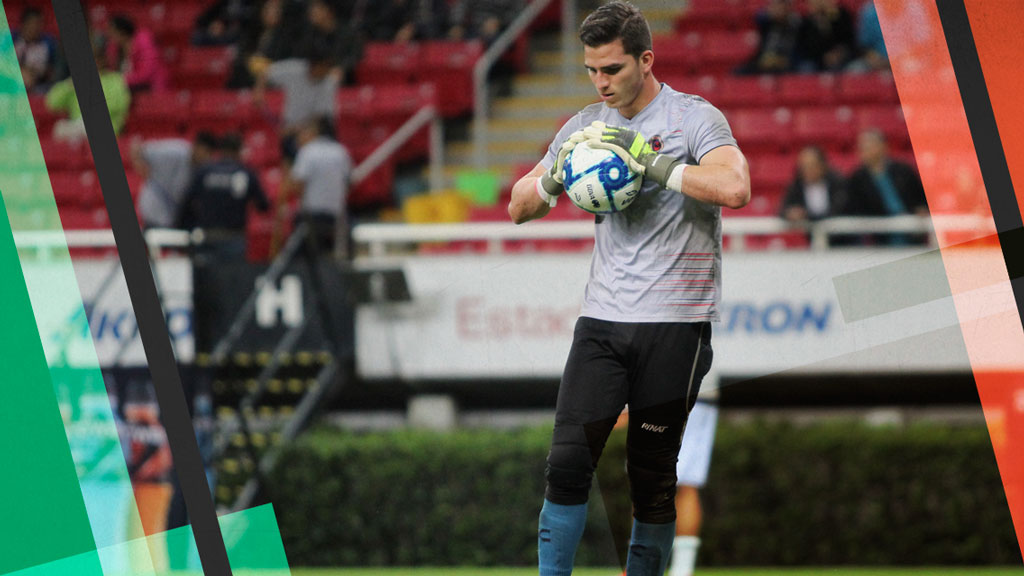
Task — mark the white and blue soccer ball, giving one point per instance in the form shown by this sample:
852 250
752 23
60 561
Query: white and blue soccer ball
598 181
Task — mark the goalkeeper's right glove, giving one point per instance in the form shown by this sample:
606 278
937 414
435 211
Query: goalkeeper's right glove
551 182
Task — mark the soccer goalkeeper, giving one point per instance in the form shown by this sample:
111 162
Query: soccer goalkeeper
643 336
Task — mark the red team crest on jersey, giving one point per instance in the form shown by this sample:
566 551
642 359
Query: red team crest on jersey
656 143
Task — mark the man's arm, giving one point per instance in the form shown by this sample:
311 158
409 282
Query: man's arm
722 178
526 203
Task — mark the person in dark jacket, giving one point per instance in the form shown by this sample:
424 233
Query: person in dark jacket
827 38
882 186
817 191
218 197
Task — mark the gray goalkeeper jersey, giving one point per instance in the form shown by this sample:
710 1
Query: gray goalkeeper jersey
660 259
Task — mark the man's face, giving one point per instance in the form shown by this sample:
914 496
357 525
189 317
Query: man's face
32 28
319 69
617 76
871 148
811 168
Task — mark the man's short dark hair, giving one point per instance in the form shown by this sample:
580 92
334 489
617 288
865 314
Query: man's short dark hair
31 13
325 126
616 20
124 25
207 139
318 51
231 143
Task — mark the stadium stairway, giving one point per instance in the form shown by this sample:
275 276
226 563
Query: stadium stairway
522 124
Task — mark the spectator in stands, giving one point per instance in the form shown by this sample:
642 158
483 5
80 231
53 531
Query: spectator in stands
778 26
61 99
404 21
325 29
224 22
817 191
166 166
320 179
36 51
310 90
873 54
134 51
218 198
826 39
482 19
882 186
263 39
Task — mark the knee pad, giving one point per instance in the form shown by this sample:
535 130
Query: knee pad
568 472
652 485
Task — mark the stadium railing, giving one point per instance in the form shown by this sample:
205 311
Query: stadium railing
377 238
424 116
494 53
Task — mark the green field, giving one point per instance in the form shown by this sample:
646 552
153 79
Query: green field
447 571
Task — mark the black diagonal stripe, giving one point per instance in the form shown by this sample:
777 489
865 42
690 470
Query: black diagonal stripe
987 144
174 413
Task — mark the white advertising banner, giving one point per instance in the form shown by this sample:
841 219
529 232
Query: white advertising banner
512 316
106 322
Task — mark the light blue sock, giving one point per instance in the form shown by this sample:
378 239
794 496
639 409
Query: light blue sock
649 548
559 533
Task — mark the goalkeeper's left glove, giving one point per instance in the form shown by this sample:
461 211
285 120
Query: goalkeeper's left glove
551 182
633 148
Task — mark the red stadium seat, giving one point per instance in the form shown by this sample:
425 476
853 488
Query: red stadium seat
260 149
75 218
222 110
676 55
203 68
496 213
888 119
393 106
714 15
825 126
387 63
770 173
161 112
766 130
746 91
868 88
375 189
720 51
64 156
707 86
450 66
807 89
44 118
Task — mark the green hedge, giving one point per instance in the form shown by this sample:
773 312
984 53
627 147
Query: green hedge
777 495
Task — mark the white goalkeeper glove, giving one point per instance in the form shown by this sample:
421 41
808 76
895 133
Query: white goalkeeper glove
633 148
551 182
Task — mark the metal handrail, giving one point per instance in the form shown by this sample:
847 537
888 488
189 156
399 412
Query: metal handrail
388 148
483 67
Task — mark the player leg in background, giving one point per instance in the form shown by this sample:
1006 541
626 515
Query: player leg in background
692 474
590 397
670 360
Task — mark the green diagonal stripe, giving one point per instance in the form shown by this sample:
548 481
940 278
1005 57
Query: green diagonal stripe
42 513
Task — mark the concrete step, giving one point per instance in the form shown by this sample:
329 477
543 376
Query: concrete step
540 106
553 85
464 157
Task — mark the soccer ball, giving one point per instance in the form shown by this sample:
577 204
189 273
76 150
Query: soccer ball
598 181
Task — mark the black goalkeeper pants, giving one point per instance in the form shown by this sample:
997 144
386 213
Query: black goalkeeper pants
657 369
